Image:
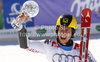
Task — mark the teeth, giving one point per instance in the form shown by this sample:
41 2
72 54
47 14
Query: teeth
63 36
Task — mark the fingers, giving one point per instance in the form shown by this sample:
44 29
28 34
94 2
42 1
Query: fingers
21 15
27 18
22 18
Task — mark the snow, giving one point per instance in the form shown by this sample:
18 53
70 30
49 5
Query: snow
11 52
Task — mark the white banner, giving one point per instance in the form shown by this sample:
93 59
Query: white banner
44 31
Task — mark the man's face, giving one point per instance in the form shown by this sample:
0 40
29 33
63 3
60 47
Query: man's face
64 34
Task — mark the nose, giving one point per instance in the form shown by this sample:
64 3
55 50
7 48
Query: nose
63 31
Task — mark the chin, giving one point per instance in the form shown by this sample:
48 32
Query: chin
63 41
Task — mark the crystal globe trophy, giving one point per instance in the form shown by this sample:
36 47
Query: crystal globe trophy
29 8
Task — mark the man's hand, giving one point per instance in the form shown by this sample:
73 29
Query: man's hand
21 18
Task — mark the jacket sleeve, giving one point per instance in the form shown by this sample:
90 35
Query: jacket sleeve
22 38
33 45
90 57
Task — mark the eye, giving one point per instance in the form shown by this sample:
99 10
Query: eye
67 30
61 28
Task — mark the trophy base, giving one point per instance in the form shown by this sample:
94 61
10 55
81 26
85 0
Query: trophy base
16 25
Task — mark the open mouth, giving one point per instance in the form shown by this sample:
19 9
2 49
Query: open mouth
63 37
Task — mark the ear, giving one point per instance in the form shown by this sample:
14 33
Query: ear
57 27
73 31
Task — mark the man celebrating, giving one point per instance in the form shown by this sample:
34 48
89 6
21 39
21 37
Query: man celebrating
62 50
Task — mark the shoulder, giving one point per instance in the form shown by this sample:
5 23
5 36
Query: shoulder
76 45
47 41
52 43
